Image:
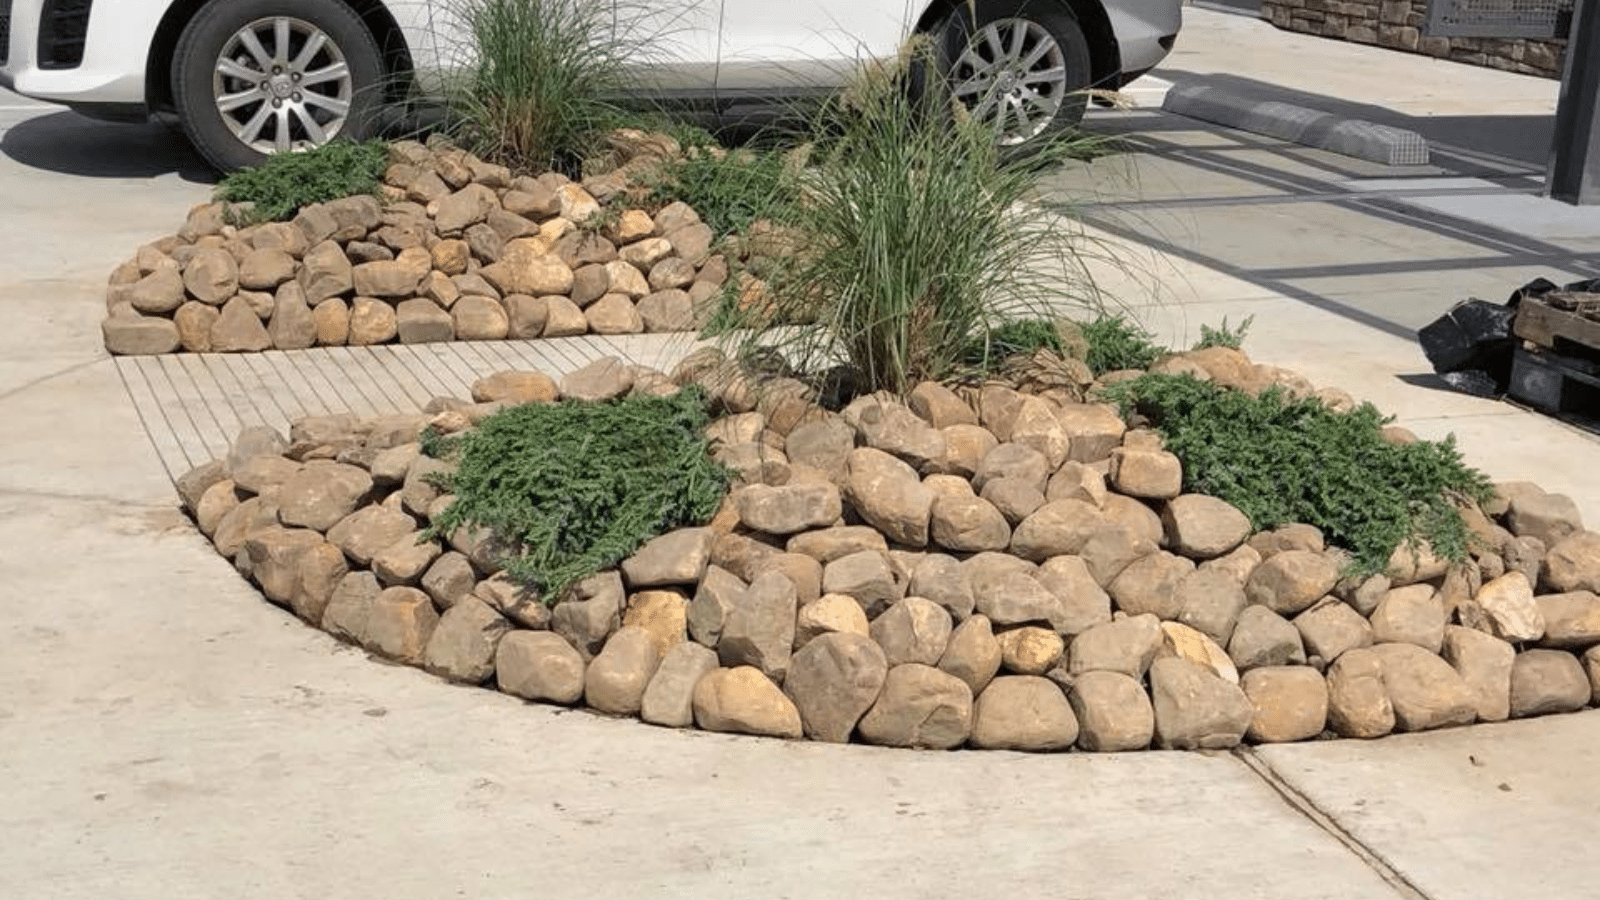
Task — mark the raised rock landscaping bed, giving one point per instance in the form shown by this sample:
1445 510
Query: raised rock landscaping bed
453 249
1013 571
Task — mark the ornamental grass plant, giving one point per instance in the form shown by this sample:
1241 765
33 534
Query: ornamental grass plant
915 240
538 79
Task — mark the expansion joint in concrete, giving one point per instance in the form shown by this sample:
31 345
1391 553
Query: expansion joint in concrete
1303 805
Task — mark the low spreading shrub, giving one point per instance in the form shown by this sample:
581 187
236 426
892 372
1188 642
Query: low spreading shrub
571 488
1281 460
729 190
278 187
1116 343
1224 335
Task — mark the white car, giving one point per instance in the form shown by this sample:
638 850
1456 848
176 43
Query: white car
251 77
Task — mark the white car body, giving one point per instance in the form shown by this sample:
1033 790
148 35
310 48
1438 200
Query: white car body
117 58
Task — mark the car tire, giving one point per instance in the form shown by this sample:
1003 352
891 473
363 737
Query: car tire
256 77
1022 66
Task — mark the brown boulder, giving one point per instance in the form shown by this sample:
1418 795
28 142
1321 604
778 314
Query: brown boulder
1484 662
833 681
914 630
1202 527
919 706
1195 709
669 698
1547 681
758 626
888 495
617 677
399 625
1020 712
1113 712
540 666
1290 581
464 644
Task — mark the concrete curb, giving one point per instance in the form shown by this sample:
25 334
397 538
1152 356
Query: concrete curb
1325 131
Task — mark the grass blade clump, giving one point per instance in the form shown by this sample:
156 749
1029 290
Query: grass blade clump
541 76
915 239
1282 460
284 182
571 488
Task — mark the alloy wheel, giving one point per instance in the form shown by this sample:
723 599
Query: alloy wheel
282 84
1012 75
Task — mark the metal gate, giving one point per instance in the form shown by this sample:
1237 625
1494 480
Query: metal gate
1535 19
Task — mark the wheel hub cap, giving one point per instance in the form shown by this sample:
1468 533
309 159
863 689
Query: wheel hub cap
281 86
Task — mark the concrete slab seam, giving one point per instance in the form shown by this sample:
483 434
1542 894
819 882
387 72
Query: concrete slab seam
1303 805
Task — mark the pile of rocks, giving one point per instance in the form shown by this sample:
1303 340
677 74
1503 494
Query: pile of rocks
1017 572
454 249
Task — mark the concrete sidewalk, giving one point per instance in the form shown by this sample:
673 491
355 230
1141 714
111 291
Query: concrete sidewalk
166 734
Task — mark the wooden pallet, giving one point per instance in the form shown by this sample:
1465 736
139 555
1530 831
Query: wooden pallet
1559 320
1560 385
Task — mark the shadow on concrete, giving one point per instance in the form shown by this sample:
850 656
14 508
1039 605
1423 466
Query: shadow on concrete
1524 139
71 144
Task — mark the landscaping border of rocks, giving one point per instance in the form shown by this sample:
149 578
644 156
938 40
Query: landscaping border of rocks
1014 572
453 248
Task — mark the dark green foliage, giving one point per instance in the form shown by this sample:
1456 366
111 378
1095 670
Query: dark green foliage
1281 460
288 181
1019 337
571 488
731 191
1115 344
1224 336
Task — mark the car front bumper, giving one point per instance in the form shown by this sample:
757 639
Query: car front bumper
112 71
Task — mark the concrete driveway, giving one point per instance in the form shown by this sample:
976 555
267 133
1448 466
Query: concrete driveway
166 734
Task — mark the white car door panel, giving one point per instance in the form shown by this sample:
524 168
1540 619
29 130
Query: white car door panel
805 43
674 43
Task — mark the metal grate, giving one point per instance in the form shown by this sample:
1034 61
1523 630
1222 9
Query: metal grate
5 31
1536 19
63 28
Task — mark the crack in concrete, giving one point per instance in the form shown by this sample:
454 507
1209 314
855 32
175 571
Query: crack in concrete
30 385
1307 808
104 499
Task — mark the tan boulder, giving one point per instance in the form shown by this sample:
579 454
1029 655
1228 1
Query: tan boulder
744 701
1290 703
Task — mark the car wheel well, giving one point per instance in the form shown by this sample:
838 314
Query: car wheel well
380 23
1105 61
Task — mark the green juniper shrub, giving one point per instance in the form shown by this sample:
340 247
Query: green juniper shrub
1281 460
729 190
284 182
1019 337
571 488
1223 335
1116 343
